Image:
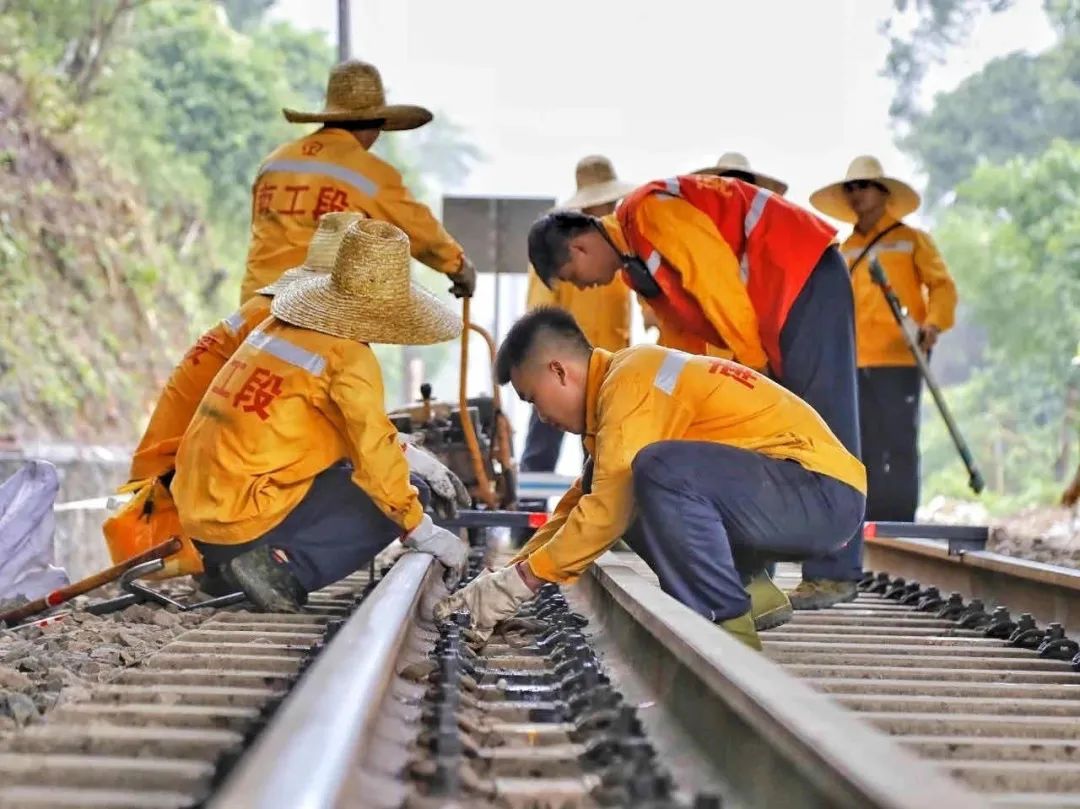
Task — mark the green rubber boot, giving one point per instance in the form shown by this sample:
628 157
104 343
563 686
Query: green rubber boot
769 605
742 628
818 594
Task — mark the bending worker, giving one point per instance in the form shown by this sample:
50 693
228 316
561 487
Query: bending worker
702 465
890 384
291 475
743 269
603 312
729 164
333 169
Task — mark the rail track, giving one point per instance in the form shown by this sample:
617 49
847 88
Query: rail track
607 693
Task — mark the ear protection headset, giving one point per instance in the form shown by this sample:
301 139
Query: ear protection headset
640 278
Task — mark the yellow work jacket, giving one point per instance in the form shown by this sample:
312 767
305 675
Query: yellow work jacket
603 312
920 278
670 337
709 271
288 404
325 171
647 394
156 453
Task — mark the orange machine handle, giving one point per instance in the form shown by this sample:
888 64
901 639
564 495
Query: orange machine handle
487 493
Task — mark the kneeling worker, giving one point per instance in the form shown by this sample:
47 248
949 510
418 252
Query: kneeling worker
291 475
701 465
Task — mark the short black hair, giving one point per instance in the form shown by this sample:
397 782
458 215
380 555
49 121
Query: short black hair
542 325
548 238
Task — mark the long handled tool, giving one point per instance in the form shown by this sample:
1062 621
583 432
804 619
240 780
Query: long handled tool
64 594
911 336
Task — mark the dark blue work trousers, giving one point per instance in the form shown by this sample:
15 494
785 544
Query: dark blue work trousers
334 531
817 344
708 514
543 443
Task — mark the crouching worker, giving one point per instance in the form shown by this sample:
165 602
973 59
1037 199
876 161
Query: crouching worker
155 455
701 464
150 517
291 476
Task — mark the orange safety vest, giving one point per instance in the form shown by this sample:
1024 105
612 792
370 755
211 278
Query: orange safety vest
777 242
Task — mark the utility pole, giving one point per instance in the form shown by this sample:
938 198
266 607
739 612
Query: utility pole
344 46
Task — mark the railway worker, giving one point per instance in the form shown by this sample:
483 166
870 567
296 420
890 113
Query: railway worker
702 465
889 381
730 164
291 475
603 312
333 169
155 456
740 268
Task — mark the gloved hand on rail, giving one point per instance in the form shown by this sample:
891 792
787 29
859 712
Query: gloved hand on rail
493 596
464 279
447 491
450 549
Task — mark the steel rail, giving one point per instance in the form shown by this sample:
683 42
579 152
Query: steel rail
772 739
1051 593
303 758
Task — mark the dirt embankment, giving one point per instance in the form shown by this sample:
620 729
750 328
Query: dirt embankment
94 309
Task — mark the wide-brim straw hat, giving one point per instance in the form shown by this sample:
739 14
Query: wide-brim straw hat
736 161
831 200
597 184
369 296
355 92
321 252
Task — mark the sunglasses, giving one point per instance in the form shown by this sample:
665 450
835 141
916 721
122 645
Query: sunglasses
862 185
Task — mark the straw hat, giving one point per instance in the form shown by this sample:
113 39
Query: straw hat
735 161
597 184
368 296
354 92
830 200
321 251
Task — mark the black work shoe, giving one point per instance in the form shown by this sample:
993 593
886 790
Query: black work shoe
268 583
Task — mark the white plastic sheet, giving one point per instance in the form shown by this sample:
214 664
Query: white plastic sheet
26 532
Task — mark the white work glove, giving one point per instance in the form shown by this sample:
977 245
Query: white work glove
450 549
447 490
493 596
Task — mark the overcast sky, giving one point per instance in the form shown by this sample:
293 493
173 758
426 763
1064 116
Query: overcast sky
659 87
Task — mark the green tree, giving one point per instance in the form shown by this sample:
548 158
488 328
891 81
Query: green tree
938 26
1012 240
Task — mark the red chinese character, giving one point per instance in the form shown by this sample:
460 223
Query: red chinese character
225 375
204 344
260 389
311 148
264 195
330 199
296 191
740 373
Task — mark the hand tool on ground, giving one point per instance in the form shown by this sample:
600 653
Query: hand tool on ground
64 594
911 337
136 592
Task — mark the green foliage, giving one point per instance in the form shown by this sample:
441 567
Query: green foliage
1012 241
245 15
938 26
209 102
